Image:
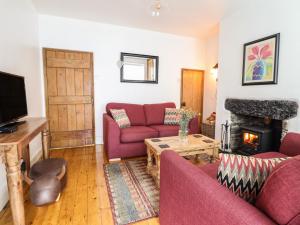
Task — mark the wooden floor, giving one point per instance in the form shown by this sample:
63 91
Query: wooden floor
85 198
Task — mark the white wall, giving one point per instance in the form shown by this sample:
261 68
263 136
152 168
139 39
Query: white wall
107 41
210 83
19 54
254 22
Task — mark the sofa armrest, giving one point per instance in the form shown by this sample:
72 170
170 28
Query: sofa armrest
194 126
111 136
189 196
290 144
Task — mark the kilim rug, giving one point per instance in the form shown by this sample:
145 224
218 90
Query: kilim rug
132 191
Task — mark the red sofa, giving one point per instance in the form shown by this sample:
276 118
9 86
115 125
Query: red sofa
190 195
147 121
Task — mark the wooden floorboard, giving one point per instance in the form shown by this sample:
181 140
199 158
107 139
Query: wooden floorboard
84 200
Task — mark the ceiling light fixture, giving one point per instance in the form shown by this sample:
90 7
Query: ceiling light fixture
156 8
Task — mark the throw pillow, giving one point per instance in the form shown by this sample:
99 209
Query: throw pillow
172 116
244 175
120 117
280 196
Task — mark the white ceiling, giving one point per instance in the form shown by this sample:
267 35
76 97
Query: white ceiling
197 18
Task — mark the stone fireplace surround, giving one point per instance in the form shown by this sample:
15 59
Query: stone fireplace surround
253 113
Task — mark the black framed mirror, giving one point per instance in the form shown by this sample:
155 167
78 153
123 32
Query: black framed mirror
138 68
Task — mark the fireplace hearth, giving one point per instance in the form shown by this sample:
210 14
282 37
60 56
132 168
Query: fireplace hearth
258 126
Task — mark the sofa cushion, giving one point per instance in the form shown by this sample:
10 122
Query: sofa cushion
166 130
290 145
134 112
120 117
280 196
137 134
244 175
155 113
211 169
172 116
269 155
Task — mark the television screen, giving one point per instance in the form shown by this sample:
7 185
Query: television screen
12 98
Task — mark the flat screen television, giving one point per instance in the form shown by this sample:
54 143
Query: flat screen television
13 103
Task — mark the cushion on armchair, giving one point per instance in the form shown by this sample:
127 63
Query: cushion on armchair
280 196
120 117
244 175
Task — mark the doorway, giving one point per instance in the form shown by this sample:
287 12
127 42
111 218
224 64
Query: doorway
69 93
192 90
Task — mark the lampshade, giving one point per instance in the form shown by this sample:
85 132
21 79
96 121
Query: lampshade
214 71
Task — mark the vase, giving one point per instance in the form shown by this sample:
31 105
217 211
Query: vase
183 135
259 70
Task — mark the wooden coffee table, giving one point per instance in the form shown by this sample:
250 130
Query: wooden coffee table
196 145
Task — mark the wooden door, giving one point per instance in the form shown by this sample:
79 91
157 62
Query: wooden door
192 85
69 97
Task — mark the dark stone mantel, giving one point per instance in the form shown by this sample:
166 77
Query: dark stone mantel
274 109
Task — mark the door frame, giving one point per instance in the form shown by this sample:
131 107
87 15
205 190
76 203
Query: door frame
44 50
202 92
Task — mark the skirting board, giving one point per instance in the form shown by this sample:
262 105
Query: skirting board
99 140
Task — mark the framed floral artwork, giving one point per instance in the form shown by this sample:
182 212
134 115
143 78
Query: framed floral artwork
260 65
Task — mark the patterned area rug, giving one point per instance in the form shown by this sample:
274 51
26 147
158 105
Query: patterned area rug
133 193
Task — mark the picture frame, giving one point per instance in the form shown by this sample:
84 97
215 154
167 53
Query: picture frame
260 61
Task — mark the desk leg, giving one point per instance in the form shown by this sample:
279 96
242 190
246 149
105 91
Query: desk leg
45 140
26 157
14 182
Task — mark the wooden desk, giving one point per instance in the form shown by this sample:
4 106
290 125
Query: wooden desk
11 153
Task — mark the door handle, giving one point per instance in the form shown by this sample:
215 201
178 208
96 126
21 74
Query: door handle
183 104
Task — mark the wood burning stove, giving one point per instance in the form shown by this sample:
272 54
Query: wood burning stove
255 139
258 125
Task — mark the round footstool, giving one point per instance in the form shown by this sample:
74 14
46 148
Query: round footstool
47 178
52 167
45 190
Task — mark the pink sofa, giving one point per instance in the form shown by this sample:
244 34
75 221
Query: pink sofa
147 121
190 195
